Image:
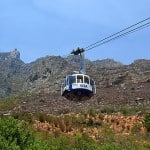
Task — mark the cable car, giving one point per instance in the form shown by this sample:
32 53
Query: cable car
78 86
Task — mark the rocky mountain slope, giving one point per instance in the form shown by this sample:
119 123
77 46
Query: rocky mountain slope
116 83
45 73
11 69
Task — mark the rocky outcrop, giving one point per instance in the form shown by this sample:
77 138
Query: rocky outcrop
11 77
107 63
15 54
46 74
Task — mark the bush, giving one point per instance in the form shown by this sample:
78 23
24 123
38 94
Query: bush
60 143
23 116
83 142
136 128
111 147
92 112
146 122
147 145
15 136
8 103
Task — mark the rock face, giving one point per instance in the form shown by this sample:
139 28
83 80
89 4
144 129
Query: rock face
11 79
15 54
116 83
46 74
107 63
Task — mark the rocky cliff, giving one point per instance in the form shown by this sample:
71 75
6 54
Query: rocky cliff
11 77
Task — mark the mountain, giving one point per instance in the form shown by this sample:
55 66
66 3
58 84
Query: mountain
116 83
43 74
11 79
107 63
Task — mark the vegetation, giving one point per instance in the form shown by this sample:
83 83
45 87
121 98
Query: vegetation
125 109
14 135
8 103
72 131
93 129
147 122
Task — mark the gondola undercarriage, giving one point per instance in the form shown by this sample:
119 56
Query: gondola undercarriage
78 94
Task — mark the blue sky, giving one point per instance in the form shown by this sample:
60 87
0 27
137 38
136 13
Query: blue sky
42 27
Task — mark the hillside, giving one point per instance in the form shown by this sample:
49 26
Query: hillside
117 84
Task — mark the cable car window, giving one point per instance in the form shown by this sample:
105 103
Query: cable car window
79 79
72 79
92 82
86 79
65 82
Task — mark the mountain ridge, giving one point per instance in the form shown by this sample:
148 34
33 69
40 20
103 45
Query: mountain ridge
116 83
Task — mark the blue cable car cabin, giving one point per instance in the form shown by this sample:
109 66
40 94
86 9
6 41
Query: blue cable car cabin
78 87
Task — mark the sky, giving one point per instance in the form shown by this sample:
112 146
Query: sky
38 28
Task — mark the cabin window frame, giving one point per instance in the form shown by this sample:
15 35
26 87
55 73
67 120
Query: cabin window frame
71 80
80 79
86 80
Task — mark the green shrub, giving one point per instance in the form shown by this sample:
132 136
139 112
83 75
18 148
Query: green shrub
83 142
15 136
111 147
108 110
60 143
42 117
92 112
23 116
136 128
146 122
8 103
147 145
77 142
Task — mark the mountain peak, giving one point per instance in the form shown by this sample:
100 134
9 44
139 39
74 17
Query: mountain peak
15 54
